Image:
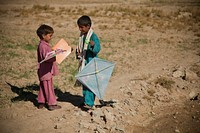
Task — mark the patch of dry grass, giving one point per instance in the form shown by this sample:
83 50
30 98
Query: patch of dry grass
164 82
139 17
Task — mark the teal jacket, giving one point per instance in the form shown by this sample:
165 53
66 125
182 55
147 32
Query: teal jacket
92 51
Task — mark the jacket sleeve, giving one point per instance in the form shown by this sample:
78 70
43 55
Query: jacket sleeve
46 50
97 47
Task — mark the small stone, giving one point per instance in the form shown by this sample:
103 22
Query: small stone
55 127
177 131
193 95
193 117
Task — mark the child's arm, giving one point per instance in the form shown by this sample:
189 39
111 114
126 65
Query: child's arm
45 52
94 44
50 57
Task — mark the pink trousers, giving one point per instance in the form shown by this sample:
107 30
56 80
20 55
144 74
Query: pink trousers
46 93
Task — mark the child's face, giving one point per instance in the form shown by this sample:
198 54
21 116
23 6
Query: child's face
84 29
47 37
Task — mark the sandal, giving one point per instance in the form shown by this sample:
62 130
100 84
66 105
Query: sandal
41 105
53 107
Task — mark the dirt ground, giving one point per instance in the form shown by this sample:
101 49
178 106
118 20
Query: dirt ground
155 45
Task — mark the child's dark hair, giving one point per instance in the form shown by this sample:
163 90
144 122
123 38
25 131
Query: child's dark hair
44 30
84 21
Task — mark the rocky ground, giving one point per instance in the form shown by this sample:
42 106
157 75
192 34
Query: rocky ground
155 86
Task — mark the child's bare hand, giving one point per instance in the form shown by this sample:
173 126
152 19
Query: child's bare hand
58 50
91 43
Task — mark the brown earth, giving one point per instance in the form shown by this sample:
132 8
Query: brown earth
155 46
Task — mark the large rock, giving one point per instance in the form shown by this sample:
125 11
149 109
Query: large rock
190 75
179 73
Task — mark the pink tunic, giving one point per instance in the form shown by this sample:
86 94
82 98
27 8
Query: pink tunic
48 68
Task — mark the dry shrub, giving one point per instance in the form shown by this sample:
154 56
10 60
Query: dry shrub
103 27
142 41
94 12
164 82
42 8
36 9
151 92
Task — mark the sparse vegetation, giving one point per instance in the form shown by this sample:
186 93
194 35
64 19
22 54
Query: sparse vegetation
30 47
142 41
164 82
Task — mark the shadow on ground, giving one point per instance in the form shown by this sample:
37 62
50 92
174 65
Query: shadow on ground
24 93
29 93
76 100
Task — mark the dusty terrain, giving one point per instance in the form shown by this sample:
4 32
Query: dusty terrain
155 46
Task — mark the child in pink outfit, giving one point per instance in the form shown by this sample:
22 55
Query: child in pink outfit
46 70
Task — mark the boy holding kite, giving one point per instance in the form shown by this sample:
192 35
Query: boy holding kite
88 48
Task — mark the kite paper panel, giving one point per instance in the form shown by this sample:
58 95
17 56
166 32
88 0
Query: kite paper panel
95 75
62 44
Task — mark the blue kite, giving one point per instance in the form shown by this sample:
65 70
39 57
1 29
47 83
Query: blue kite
95 75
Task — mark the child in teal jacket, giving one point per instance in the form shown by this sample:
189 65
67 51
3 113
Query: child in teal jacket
89 47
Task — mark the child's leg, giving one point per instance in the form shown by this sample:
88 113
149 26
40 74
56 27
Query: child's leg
89 96
41 94
49 92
